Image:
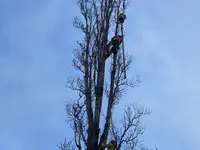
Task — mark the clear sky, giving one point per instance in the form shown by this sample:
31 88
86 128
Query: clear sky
36 43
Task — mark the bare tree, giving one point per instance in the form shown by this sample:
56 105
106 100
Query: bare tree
98 19
127 135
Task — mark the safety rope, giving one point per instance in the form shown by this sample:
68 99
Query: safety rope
122 33
120 22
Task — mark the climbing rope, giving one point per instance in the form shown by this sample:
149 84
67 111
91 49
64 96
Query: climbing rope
123 16
120 39
124 65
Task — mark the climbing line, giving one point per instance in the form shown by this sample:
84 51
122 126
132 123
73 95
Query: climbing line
114 44
124 65
122 34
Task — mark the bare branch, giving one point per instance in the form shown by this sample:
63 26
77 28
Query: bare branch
76 84
66 145
78 23
131 126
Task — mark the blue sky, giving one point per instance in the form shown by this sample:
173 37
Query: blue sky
36 43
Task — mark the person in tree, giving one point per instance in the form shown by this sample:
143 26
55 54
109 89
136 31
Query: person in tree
121 17
110 146
114 44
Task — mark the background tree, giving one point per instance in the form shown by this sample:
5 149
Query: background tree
98 20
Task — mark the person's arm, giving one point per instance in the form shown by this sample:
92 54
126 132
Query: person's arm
107 145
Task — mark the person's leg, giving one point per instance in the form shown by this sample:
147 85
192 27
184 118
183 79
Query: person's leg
109 52
115 49
115 45
109 46
110 43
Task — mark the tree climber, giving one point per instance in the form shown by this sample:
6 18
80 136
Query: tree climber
116 40
121 17
115 43
110 146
